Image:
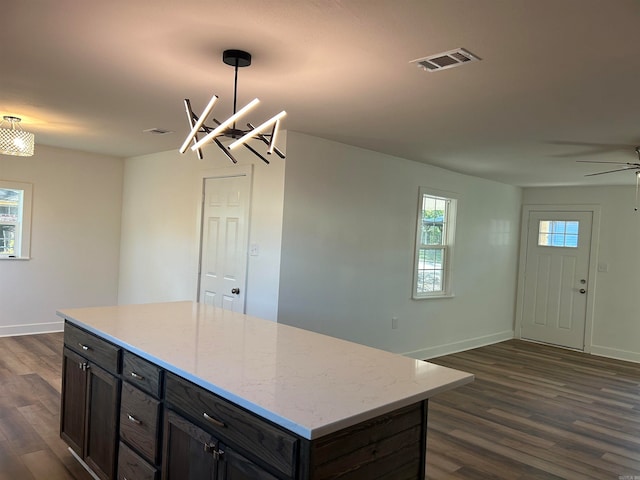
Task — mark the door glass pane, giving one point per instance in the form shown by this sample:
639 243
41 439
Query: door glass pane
558 233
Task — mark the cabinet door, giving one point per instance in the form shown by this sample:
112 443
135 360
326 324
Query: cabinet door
73 401
234 466
189 453
101 438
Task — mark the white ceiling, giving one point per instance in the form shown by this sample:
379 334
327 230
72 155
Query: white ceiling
558 80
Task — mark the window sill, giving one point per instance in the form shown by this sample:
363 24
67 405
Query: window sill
433 297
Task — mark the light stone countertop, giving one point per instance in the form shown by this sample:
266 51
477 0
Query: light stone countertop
308 383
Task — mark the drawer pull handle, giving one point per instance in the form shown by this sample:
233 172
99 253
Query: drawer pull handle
84 347
215 421
134 419
136 376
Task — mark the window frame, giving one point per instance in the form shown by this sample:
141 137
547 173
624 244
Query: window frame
22 249
447 245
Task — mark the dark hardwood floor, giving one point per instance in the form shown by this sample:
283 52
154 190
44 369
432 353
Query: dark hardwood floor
533 412
30 380
536 412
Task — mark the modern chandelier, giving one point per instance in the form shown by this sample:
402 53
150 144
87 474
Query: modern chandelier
14 140
227 129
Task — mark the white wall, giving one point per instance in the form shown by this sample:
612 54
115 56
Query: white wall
348 243
75 238
616 323
160 227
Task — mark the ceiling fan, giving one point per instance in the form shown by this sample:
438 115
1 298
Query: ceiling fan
622 166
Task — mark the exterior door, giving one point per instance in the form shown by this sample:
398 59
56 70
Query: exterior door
556 277
223 263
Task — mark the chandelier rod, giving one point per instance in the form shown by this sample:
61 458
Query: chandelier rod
235 90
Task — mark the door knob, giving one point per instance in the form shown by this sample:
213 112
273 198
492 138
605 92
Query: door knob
235 291
582 290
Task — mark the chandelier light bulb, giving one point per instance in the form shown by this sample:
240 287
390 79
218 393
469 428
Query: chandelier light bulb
220 128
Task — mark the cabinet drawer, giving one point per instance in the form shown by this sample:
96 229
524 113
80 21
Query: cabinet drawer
141 373
242 429
100 351
133 467
139 421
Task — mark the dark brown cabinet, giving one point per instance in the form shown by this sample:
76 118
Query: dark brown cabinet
74 400
192 453
89 412
234 466
140 419
133 467
119 406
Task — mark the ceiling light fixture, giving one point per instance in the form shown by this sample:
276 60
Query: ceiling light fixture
227 128
14 140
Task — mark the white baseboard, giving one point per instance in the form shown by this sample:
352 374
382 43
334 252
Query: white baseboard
30 329
615 353
440 350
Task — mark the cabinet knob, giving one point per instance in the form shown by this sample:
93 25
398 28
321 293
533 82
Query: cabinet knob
84 347
136 376
211 448
218 454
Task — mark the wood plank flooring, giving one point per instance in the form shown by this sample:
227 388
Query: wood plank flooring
536 412
533 412
30 381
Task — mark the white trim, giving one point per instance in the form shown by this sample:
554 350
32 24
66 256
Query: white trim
615 353
596 211
448 245
30 329
440 350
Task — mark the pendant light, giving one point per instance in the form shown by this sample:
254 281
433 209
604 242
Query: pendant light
14 140
266 133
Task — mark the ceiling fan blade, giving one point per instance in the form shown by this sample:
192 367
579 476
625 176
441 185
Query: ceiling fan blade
611 171
589 148
611 163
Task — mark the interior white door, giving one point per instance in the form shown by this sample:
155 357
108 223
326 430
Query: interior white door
556 277
223 261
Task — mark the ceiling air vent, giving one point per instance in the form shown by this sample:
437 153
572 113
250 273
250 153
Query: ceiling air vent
442 61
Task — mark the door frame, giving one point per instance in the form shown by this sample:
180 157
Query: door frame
596 211
224 172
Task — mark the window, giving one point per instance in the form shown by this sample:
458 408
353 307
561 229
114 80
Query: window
15 219
558 233
434 245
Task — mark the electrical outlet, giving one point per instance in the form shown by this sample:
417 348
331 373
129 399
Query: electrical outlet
394 322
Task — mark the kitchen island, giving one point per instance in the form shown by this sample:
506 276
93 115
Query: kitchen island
239 397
